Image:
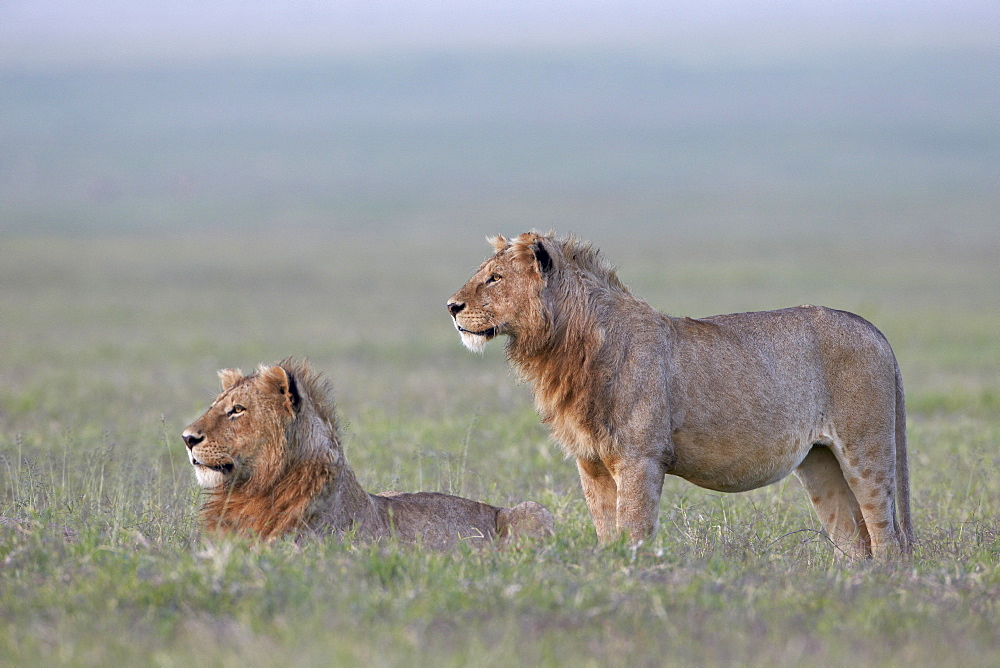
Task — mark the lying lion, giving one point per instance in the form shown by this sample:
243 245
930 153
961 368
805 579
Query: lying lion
268 455
730 402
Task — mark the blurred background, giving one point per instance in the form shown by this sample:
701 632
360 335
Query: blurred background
694 119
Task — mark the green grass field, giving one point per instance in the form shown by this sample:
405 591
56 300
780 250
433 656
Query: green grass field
161 256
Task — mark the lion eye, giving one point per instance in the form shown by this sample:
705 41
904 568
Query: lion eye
235 410
493 279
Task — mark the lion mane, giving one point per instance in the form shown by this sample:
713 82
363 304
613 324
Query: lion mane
729 403
268 454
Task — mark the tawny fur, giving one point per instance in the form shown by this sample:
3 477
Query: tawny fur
269 456
729 402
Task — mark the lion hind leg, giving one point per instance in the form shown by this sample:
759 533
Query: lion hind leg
835 503
525 520
869 465
873 488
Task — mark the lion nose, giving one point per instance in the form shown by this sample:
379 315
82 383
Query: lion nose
455 308
192 440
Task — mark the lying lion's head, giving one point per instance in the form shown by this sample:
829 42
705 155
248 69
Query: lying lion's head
240 440
505 295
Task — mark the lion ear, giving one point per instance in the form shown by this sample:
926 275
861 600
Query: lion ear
542 256
229 377
499 242
279 381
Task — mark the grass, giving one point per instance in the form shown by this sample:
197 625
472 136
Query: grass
159 226
106 366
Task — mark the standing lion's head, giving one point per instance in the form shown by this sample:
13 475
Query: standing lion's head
505 294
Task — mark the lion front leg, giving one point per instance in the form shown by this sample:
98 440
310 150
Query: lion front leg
601 492
640 484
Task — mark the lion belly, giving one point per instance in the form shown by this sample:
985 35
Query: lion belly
737 466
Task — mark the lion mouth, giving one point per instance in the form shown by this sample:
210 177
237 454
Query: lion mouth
488 333
221 468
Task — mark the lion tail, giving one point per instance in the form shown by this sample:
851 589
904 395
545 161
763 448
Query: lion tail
905 529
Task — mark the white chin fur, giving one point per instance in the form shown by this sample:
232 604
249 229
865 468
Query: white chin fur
474 342
208 478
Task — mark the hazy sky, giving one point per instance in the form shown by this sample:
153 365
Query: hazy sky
56 32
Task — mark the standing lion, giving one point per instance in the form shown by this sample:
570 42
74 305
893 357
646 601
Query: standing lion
729 403
268 454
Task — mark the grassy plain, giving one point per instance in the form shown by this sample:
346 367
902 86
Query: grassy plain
161 256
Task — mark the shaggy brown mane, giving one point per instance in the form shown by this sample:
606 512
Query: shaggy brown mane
582 256
580 312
